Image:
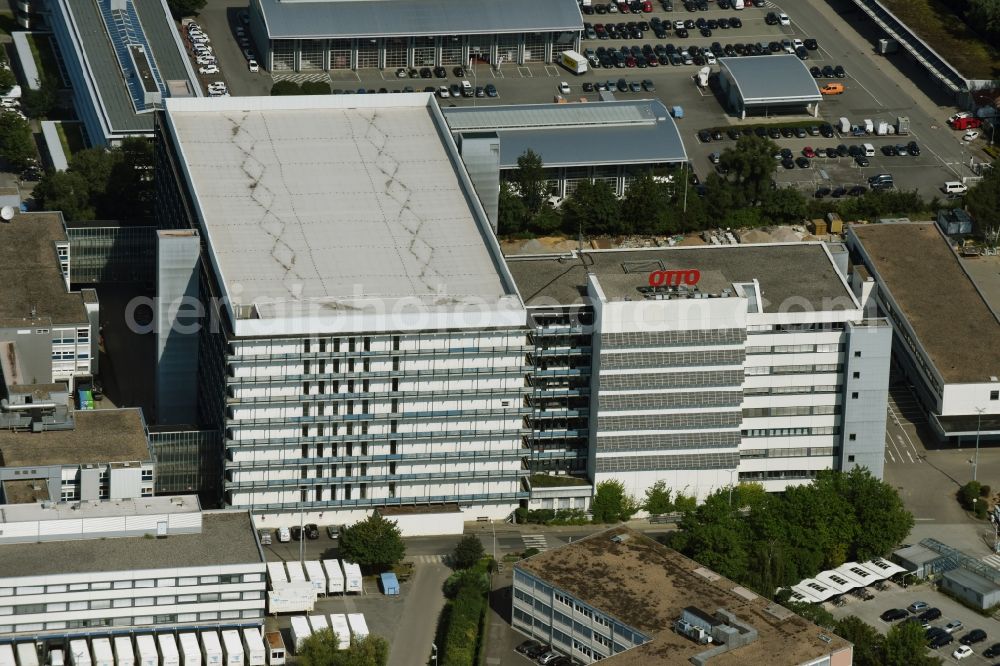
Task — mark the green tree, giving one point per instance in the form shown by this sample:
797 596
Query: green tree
17 145
906 645
882 520
512 214
611 503
815 613
129 189
658 499
867 641
684 503
592 209
647 205
784 205
321 649
984 17
181 8
315 88
375 543
529 177
7 81
286 87
468 551
983 201
39 103
67 191
751 165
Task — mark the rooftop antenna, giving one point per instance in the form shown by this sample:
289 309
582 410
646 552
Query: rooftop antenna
7 213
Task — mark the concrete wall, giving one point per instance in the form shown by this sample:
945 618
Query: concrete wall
866 384
481 154
33 346
177 328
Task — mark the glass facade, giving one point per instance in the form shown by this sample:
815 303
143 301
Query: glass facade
111 254
187 461
312 52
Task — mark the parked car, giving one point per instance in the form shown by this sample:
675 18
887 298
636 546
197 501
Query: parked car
563 88
940 640
962 651
783 19
832 89
208 69
970 135
284 535
973 637
312 531
333 531
930 614
491 90
547 657
992 651
253 65
524 647
296 533
953 626
265 537
820 193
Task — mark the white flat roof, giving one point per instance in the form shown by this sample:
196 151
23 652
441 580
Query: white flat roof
147 506
346 212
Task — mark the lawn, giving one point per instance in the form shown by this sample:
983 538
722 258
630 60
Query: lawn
935 22
71 137
45 58
556 481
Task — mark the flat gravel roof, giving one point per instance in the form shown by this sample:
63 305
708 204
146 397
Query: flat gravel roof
98 437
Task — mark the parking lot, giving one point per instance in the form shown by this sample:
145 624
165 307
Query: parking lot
897 597
875 87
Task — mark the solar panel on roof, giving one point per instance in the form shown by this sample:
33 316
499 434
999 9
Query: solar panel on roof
131 46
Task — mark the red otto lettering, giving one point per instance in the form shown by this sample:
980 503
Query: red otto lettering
688 276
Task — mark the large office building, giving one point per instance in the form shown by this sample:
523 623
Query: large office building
946 333
96 568
623 599
357 34
701 367
368 344
122 59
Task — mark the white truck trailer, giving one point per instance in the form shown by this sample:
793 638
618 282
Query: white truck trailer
79 653
300 631
334 576
338 622
145 647
211 649
318 623
352 577
359 628
296 574
190 650
27 654
314 570
233 644
7 655
169 655
253 644
124 654
276 573
102 653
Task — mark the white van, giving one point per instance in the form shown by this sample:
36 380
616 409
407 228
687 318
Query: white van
869 150
955 187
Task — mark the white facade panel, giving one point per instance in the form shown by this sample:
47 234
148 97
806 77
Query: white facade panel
965 399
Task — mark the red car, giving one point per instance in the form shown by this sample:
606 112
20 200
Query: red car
808 152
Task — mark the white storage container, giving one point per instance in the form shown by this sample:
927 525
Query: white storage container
845 125
190 650
318 623
234 648
56 657
334 576
79 653
124 655
300 631
276 573
102 652
276 655
359 628
316 576
27 654
352 577
7 656
340 627
256 653
296 574
211 650
145 648
169 656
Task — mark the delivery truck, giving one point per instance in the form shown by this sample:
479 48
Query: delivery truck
232 644
211 649
296 574
276 573
318 623
190 650
334 576
124 655
253 645
574 62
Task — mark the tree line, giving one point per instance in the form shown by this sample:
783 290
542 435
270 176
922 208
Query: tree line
740 195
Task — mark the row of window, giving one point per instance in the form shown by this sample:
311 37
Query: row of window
776 475
758 370
790 432
791 390
183 581
794 410
796 349
129 602
139 620
803 452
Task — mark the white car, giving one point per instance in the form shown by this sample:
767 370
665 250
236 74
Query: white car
710 58
443 92
678 25
208 69
284 535
564 87
963 651
252 64
970 135
960 114
783 19
796 43
207 60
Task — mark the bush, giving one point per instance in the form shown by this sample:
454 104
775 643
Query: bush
467 552
466 578
541 516
528 553
463 616
286 88
315 88
985 491
969 494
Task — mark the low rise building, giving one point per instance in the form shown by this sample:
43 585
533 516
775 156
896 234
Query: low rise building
87 568
778 84
621 598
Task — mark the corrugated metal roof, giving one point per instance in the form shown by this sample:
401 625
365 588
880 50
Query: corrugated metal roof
525 116
104 69
773 79
292 19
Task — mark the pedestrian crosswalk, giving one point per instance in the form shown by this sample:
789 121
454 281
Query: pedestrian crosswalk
993 561
427 559
535 541
301 78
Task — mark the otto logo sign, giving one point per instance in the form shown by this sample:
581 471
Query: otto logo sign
688 276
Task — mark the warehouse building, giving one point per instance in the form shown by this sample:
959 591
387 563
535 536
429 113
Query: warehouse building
779 84
367 342
122 58
701 367
297 35
613 142
87 568
621 598
946 335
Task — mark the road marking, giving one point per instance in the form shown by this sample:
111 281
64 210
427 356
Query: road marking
925 520
535 541
993 561
869 92
428 559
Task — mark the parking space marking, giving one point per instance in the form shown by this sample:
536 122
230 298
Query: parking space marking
551 71
525 72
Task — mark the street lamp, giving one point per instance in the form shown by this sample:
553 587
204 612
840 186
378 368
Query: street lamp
494 540
435 648
979 422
